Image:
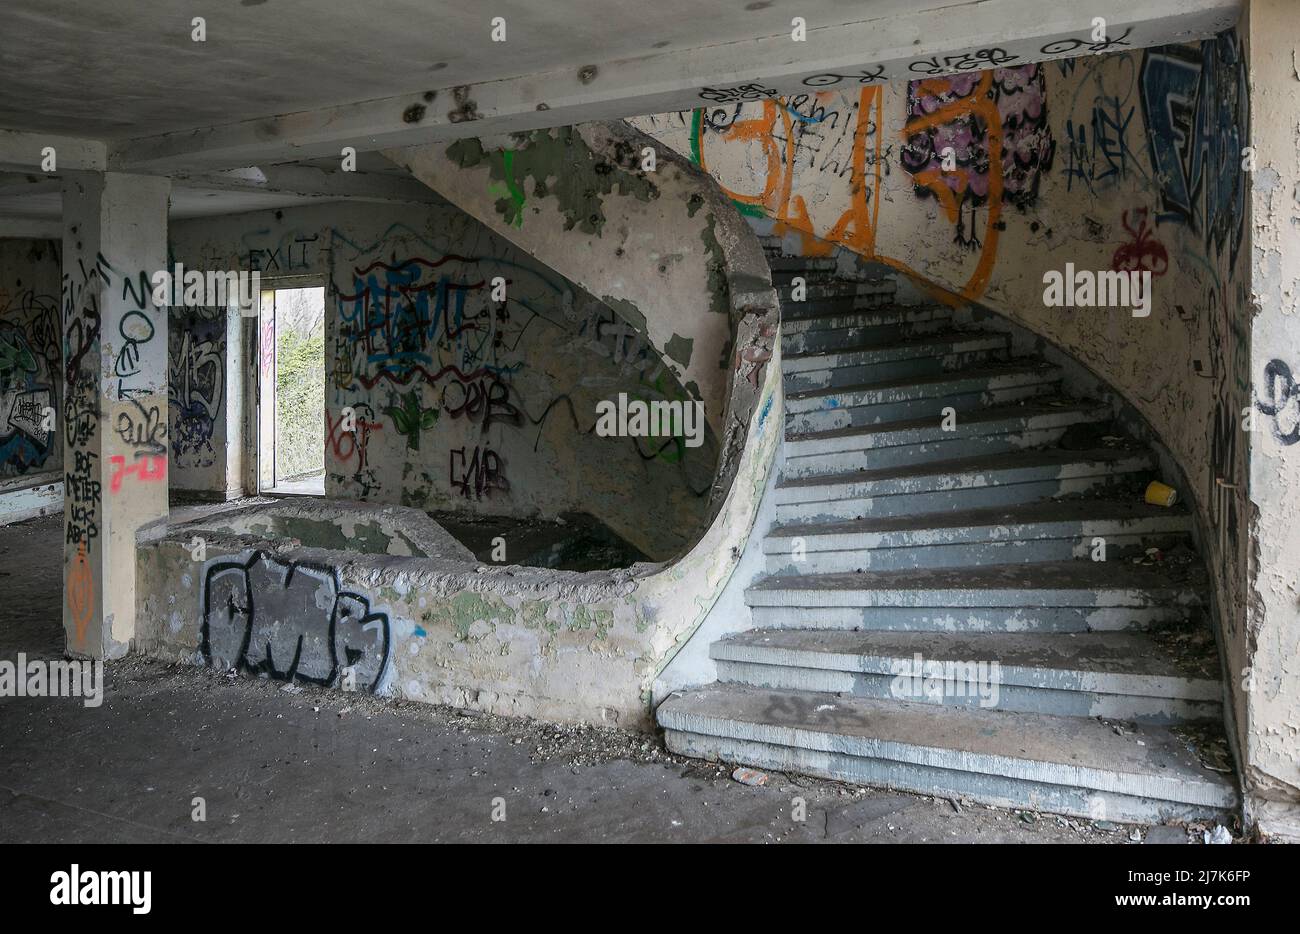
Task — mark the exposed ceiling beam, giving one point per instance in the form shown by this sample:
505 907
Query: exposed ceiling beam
978 34
28 183
34 228
21 151
313 182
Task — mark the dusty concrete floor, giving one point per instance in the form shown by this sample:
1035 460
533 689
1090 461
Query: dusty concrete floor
313 765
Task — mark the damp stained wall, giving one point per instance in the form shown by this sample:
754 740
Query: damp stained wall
1119 161
459 401
1264 648
585 200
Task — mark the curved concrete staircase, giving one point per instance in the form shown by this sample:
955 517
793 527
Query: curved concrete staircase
932 618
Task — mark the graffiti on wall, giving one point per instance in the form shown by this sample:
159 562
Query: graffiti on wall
1195 106
195 387
815 163
291 620
27 384
1280 401
825 136
423 352
993 124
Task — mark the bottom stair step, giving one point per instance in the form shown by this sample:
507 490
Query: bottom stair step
1165 676
1066 765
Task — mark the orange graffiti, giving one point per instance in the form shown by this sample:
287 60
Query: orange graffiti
80 593
979 103
856 227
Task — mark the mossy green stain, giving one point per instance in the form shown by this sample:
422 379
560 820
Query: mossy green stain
581 176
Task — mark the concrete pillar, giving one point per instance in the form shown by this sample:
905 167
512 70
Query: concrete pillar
115 401
1269 738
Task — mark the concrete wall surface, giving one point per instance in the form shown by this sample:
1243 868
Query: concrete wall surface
459 401
1265 646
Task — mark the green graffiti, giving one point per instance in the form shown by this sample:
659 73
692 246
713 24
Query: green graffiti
561 165
411 418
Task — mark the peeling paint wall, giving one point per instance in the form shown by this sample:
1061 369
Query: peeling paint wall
584 200
1114 162
461 401
1265 649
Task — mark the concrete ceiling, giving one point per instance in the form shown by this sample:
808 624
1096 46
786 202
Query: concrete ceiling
112 69
120 84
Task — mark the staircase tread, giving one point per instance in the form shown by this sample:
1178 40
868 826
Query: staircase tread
1174 652
1089 748
1048 510
1045 575
875 311
989 414
948 336
1010 460
1001 369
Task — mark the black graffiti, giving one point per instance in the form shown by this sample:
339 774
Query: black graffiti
477 474
1281 401
1105 44
486 400
742 92
798 710
143 429
967 61
830 78
83 492
291 621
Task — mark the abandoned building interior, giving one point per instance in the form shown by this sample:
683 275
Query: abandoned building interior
907 401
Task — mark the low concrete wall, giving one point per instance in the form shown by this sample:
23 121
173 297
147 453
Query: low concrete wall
417 618
29 496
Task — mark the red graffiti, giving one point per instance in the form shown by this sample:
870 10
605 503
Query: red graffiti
1145 252
146 469
350 443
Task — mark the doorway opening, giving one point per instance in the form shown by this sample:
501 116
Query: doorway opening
291 391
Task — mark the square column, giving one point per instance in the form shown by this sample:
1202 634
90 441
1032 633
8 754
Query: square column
114 417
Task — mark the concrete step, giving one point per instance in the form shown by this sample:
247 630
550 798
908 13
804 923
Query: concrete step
917 441
822 274
1046 531
1066 765
793 265
817 287
897 400
926 355
1149 677
1067 596
861 326
966 483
